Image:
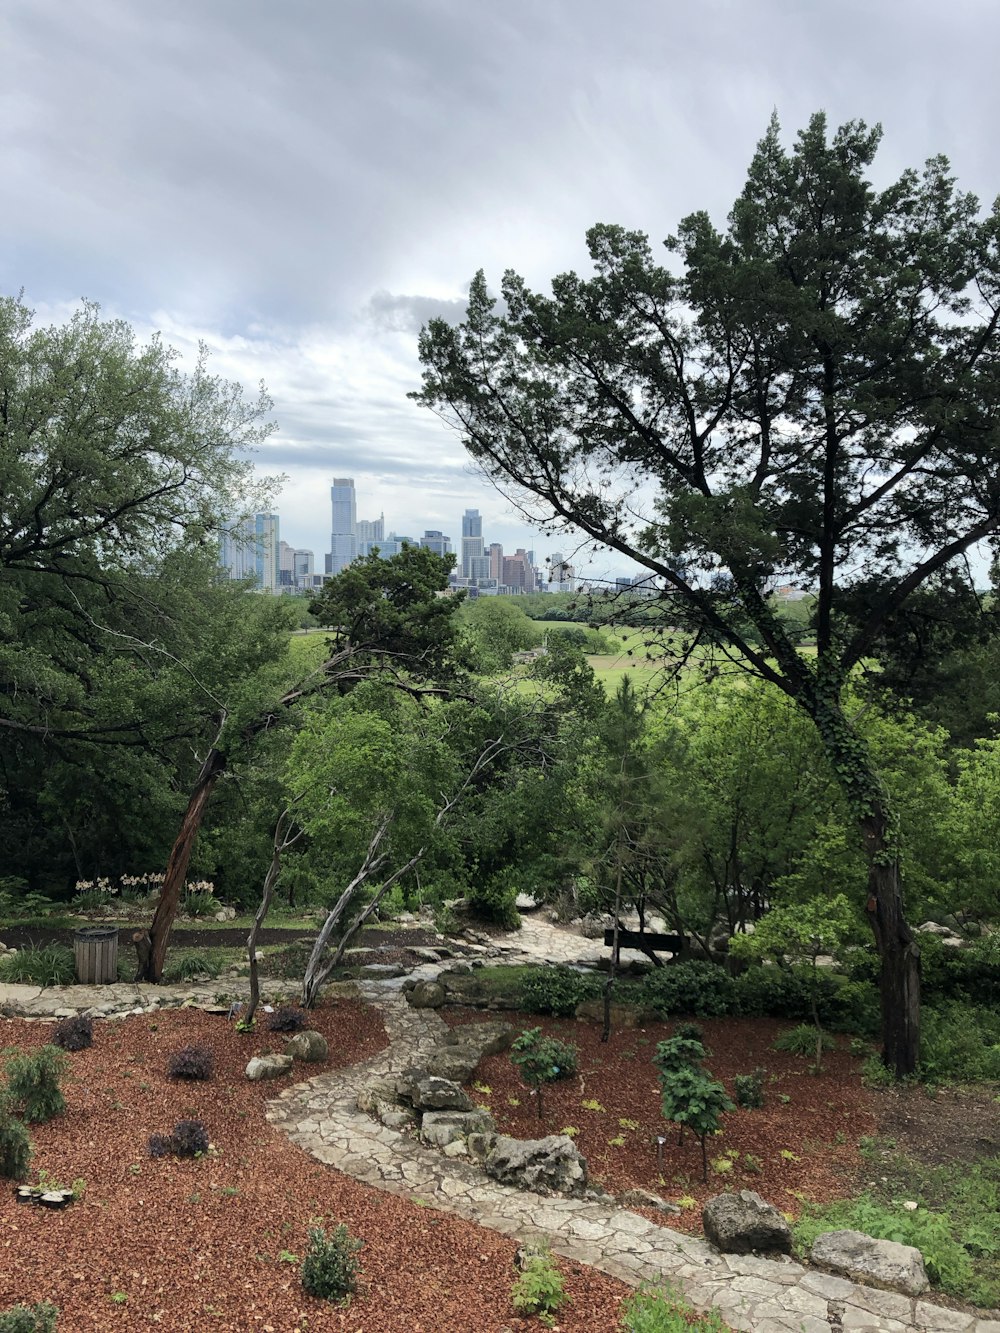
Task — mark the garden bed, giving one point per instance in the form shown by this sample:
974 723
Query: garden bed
209 1243
802 1145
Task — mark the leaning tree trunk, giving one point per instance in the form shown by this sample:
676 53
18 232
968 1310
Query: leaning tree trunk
898 952
151 956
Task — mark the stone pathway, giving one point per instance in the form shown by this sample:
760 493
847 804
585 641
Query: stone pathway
127 997
768 1295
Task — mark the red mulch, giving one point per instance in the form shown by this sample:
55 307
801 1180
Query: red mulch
804 1147
196 1245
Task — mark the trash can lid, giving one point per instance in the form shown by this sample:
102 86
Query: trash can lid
96 933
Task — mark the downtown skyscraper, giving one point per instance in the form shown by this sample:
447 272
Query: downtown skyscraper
344 525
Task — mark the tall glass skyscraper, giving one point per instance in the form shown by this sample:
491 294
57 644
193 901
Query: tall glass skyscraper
472 544
344 529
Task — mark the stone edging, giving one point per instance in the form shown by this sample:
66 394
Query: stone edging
768 1295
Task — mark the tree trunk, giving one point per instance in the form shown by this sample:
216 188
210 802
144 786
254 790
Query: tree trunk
898 951
177 865
283 839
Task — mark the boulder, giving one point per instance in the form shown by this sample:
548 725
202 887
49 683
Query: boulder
381 971
549 1165
640 1198
744 1223
622 1015
439 1128
308 1045
426 995
268 1066
491 1038
934 928
456 1063
879 1263
428 1092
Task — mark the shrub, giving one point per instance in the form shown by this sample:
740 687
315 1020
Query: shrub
287 1018
959 1043
191 1062
190 965
804 1040
542 1060
74 1034
690 1031
661 1310
749 1089
330 1265
15 1145
698 988
692 1099
33 1083
41 1318
678 1052
496 900
554 990
189 1139
52 966
539 1288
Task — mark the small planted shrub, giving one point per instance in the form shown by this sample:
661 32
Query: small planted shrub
749 1089
554 990
330 1265
539 1289
678 1052
189 1139
41 1318
804 1040
690 1031
52 966
542 1060
191 1062
15 1145
74 1034
34 1083
692 1099
287 1018
661 1310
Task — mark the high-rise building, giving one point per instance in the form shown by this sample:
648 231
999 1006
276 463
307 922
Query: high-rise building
302 564
370 532
236 549
472 542
249 549
496 561
344 529
436 541
562 577
266 539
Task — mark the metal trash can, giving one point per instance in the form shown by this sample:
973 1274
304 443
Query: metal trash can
96 951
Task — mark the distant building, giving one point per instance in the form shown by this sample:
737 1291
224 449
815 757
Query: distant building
436 541
518 572
370 532
495 554
344 526
472 542
249 549
641 585
562 576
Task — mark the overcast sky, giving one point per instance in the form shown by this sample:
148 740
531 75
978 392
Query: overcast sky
300 183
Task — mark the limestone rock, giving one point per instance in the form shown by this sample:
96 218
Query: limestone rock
439 1128
622 1015
457 1063
308 1045
491 1038
426 995
381 971
743 1223
880 1263
429 1092
640 1198
549 1165
268 1066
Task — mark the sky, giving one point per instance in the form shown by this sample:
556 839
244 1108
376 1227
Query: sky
300 184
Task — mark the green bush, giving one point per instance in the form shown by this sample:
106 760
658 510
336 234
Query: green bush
948 1263
539 1289
698 988
693 1100
41 1318
748 1089
54 965
678 1052
661 1310
555 990
971 974
34 1083
542 1060
15 1145
804 1040
496 900
330 1266
190 965
959 1043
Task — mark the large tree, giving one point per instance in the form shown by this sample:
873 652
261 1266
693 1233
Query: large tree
810 395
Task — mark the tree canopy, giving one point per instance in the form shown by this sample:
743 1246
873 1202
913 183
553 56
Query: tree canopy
808 396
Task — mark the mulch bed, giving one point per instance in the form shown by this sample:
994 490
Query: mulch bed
197 1244
802 1145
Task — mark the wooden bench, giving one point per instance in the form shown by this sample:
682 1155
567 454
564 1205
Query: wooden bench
649 942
